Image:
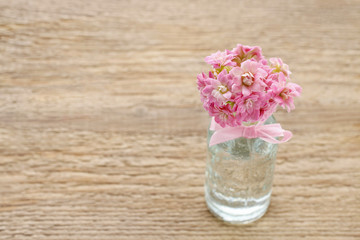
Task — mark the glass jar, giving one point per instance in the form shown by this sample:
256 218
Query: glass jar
239 175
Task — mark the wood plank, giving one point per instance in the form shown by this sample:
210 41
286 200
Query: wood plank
102 133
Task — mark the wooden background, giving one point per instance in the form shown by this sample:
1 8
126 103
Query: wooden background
102 133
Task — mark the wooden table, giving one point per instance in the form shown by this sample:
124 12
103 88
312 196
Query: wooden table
103 133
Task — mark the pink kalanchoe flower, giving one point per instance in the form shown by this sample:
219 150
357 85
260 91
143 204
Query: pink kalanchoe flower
271 78
268 108
248 78
244 87
224 115
201 81
248 107
243 53
284 93
278 66
219 59
220 88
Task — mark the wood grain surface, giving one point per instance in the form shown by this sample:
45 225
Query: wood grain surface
102 132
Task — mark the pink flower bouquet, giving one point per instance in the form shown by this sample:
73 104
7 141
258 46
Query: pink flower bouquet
242 90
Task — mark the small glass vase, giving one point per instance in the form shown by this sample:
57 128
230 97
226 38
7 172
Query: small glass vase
239 175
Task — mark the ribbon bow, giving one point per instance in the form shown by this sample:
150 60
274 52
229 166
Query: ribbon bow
267 133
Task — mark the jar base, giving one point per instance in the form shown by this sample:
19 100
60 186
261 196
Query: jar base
240 215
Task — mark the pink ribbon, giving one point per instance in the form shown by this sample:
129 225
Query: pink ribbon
267 133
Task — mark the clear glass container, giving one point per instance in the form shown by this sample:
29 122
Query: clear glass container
238 178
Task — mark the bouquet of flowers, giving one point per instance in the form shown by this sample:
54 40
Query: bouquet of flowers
244 88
